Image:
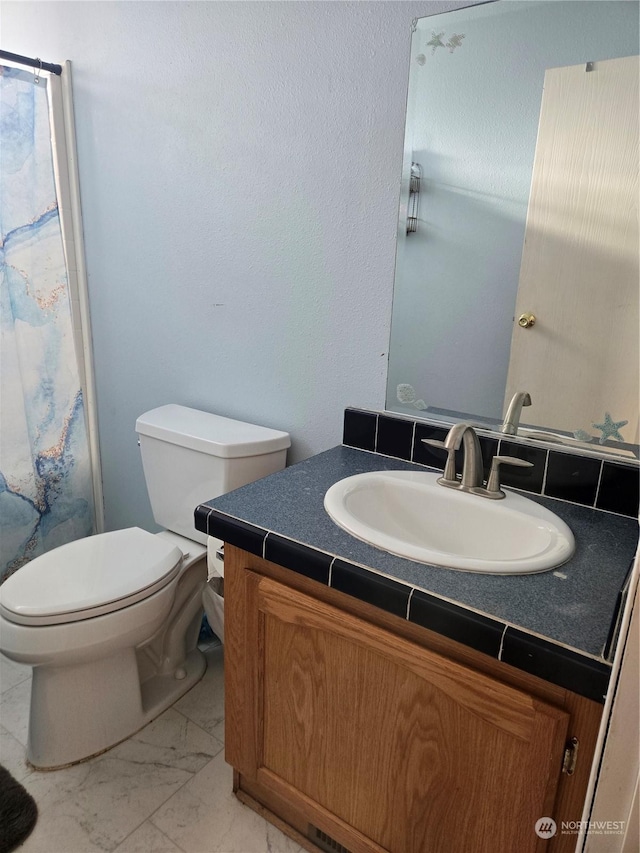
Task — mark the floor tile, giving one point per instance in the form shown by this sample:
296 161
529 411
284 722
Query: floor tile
206 817
204 703
59 833
102 801
14 710
170 741
106 798
147 839
12 673
12 756
166 789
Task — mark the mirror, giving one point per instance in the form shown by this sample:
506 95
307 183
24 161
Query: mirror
517 259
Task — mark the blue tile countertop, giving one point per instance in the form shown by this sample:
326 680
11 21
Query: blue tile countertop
557 625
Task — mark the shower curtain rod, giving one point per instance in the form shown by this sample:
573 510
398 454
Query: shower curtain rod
32 63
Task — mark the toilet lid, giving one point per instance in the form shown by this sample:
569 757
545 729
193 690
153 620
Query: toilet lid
89 577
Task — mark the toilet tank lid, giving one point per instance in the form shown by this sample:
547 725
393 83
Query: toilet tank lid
208 433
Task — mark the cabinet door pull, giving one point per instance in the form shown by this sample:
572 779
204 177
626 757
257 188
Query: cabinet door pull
570 756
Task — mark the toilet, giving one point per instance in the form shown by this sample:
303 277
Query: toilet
110 623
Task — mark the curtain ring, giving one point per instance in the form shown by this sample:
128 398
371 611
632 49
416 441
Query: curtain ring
37 72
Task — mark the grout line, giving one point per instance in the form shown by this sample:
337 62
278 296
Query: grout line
164 834
409 602
331 571
26 677
193 775
502 642
595 500
520 489
544 474
522 441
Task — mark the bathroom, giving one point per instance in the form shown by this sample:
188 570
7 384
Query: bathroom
239 168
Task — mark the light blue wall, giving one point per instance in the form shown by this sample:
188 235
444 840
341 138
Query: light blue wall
239 167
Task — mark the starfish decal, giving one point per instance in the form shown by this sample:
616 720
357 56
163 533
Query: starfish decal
455 41
610 428
406 394
436 41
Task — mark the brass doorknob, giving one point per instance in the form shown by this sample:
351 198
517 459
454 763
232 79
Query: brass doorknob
526 321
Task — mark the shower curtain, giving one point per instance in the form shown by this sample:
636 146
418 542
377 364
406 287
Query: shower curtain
46 489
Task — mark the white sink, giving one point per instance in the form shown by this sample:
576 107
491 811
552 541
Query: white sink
407 513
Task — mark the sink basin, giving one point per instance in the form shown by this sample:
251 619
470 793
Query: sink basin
409 514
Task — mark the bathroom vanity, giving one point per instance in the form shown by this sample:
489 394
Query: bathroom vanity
377 704
383 736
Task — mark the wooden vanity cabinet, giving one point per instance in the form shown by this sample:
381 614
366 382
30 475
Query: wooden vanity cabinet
347 724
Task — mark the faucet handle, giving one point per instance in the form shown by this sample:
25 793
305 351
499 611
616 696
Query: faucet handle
493 483
449 475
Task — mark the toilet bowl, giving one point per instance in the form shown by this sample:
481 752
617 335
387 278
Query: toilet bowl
110 623
213 592
111 648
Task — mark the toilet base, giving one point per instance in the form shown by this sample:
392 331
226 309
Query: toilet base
93 706
161 691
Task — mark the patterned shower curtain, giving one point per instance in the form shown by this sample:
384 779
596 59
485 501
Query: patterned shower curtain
45 470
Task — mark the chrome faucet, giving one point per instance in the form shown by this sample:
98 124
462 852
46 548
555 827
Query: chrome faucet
512 418
472 470
472 473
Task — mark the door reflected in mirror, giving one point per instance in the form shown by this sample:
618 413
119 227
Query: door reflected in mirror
521 271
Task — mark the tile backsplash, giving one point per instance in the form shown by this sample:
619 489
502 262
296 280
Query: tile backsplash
586 480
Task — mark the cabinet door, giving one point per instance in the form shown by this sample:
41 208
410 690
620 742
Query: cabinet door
379 739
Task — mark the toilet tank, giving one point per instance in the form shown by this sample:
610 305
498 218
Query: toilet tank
190 456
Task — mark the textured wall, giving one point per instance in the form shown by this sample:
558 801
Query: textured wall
240 167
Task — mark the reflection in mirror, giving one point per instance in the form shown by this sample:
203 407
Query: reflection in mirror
521 272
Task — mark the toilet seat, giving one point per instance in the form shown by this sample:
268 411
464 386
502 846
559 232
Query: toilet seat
90 577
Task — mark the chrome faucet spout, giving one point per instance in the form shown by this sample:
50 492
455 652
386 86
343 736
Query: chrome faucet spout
512 418
472 472
472 469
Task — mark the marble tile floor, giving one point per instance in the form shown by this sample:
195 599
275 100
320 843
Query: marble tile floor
167 789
